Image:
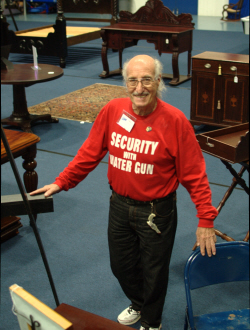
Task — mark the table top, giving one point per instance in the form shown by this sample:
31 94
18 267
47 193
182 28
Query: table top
223 57
18 141
24 74
147 28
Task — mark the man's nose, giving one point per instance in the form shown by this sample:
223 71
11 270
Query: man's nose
139 87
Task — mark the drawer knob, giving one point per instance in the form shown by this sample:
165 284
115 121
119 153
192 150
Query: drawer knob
233 68
207 66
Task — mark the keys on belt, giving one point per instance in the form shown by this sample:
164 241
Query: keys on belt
152 224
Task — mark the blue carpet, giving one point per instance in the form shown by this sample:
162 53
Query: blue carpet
74 236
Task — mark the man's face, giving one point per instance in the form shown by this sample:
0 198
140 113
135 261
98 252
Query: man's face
144 98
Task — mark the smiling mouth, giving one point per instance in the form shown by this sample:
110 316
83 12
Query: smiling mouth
141 96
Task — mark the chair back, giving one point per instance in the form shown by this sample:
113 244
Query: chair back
230 264
240 4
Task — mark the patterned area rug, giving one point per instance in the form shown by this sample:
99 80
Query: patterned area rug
83 104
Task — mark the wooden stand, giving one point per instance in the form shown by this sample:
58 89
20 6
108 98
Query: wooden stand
230 145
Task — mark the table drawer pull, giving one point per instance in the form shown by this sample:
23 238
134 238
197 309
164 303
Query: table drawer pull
207 66
233 68
211 145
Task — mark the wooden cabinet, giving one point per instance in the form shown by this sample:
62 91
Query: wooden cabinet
219 94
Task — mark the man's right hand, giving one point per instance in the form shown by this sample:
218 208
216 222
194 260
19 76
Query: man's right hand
48 190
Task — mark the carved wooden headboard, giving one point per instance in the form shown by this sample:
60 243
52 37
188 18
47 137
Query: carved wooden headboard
154 12
90 7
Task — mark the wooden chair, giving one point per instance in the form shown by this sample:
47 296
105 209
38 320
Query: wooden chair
21 144
233 9
32 312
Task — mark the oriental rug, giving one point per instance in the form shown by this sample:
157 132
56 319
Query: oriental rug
82 105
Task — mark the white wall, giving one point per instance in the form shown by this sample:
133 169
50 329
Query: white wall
211 7
131 5
205 7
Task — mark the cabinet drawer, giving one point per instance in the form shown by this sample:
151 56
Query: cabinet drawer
114 40
226 67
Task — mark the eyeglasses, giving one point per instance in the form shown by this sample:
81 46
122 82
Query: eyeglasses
146 82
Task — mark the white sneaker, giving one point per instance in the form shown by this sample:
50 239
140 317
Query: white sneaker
129 316
142 328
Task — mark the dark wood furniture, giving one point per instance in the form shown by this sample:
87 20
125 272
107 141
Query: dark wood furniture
219 93
21 76
53 40
83 320
21 144
231 146
157 24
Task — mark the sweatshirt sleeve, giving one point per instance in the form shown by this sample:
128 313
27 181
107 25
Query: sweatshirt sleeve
191 172
88 156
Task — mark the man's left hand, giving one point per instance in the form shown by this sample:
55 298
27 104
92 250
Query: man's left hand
206 239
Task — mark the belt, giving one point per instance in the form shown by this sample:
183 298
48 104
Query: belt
136 202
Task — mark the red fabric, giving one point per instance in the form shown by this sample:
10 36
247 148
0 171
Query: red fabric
145 164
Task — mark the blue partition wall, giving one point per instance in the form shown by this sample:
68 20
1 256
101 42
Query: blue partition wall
183 6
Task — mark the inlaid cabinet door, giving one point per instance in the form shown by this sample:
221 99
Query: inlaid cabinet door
235 100
204 100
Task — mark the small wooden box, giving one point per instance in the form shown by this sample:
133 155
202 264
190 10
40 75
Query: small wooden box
230 144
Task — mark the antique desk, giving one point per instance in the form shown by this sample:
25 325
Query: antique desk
157 24
231 146
54 40
21 76
21 144
219 93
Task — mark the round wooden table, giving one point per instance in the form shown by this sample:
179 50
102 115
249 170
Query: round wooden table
21 76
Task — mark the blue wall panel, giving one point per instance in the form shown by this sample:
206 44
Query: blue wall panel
184 6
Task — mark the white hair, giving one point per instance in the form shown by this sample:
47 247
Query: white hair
158 73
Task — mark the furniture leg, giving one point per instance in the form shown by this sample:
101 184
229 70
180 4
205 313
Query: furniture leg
120 59
175 57
20 116
230 190
189 63
30 177
105 64
175 66
238 178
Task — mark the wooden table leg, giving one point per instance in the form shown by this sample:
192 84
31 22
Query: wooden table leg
20 116
30 176
105 72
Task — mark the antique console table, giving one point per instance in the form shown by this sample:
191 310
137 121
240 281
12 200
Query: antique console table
231 146
157 24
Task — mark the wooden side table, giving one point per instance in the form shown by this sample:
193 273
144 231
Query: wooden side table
21 76
157 24
219 93
21 144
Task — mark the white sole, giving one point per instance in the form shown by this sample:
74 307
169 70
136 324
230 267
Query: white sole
129 323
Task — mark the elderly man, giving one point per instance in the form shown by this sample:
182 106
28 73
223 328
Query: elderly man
152 148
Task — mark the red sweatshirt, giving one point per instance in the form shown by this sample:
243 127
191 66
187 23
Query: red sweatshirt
148 162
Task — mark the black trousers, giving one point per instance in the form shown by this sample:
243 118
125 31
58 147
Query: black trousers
139 255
